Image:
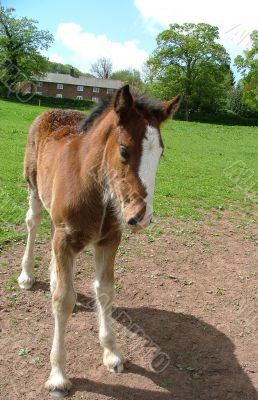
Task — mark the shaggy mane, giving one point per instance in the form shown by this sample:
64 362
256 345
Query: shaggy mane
143 104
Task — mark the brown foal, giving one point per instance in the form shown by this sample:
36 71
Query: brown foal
95 176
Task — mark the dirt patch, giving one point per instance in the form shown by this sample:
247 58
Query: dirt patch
185 313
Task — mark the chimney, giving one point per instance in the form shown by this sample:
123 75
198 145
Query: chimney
72 72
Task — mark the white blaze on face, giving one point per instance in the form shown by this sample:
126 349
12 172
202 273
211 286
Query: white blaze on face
151 152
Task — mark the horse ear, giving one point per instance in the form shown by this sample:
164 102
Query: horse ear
123 102
170 107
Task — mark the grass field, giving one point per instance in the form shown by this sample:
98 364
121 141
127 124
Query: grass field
205 167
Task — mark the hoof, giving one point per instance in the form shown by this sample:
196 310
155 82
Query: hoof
117 369
58 393
25 281
114 361
58 386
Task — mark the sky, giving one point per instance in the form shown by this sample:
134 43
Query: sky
125 30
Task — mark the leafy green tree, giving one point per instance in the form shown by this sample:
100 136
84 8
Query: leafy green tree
190 61
248 66
65 69
131 76
235 97
20 45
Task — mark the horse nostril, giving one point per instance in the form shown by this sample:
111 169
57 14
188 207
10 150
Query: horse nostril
132 221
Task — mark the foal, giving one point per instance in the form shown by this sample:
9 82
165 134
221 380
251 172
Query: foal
95 176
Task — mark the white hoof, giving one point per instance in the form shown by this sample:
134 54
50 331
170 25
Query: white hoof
113 360
58 385
58 393
25 281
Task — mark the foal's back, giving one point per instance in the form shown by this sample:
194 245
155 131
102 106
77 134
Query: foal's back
56 124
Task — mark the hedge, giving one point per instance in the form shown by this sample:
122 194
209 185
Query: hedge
224 118
55 102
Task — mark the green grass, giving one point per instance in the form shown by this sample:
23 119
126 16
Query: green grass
206 167
15 120
191 178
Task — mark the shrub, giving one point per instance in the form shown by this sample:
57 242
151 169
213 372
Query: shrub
55 102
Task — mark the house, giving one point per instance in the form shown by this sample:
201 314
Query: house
70 86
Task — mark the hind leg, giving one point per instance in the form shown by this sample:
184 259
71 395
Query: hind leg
63 301
52 266
33 219
52 269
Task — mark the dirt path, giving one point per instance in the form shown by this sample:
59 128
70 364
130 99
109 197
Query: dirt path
186 317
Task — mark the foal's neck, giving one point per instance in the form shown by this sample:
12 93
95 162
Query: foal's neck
96 176
92 152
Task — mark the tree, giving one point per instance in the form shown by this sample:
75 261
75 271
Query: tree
131 76
102 68
190 61
235 98
65 69
20 45
248 66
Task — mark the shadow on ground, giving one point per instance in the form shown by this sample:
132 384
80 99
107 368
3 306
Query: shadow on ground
202 364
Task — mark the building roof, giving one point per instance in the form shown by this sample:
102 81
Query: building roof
81 80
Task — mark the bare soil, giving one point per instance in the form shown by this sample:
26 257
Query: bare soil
185 312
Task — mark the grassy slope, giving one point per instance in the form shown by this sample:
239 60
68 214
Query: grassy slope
190 177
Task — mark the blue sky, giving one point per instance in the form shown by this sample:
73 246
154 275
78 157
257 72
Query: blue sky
125 30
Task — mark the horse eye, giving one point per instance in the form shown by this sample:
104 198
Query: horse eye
124 153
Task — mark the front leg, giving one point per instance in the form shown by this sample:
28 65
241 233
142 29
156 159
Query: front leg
104 258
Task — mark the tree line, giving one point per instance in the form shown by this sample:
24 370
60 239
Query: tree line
188 59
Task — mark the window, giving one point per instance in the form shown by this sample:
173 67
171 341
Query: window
39 84
109 91
96 99
79 98
79 88
60 86
59 95
95 90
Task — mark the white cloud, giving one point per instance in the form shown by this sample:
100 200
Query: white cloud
236 20
56 58
86 48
